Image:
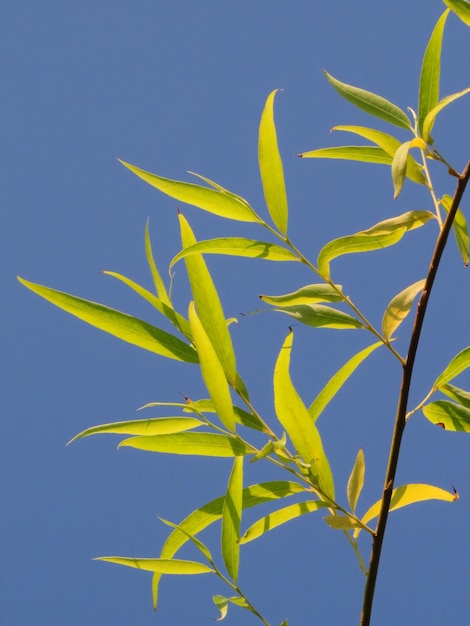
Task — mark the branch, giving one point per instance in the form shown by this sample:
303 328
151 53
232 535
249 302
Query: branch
400 420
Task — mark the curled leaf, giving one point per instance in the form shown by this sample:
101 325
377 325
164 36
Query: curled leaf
399 307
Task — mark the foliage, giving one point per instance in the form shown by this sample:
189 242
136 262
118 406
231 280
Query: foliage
223 424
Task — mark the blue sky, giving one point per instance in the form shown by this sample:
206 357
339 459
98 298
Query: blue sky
177 86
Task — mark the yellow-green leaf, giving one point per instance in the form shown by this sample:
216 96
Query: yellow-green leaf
341 522
197 444
399 307
460 395
457 365
365 154
160 288
320 316
295 419
448 415
222 604
460 8
460 229
430 118
211 200
270 166
400 163
281 516
125 327
356 480
162 566
231 519
310 294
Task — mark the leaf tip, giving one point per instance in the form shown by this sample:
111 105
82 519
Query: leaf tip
456 493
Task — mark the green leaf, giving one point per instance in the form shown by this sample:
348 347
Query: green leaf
241 416
399 307
460 8
281 516
231 519
381 235
341 522
365 154
310 294
458 364
295 419
214 201
400 163
160 288
162 566
237 246
222 604
356 480
371 103
448 415
460 229
431 116
197 444
212 371
337 381
460 395
208 305
431 72
390 145
123 326
320 316
270 166
199 545
152 426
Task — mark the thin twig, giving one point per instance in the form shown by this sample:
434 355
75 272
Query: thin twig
400 420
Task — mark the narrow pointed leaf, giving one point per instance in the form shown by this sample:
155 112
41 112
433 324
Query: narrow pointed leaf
197 444
459 395
371 103
279 517
448 415
400 163
160 288
211 200
231 519
162 566
460 229
125 327
153 426
431 71
431 116
211 183
270 166
241 416
381 235
212 371
356 480
222 604
337 381
341 522
458 364
320 316
295 419
238 246
310 294
199 545
399 307
365 154
460 8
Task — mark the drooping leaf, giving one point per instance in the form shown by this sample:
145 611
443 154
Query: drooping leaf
162 566
356 480
197 444
430 72
281 516
295 419
379 236
231 519
459 395
399 307
400 163
222 603
365 154
371 103
460 229
270 167
390 145
460 8
212 371
125 327
152 426
320 316
215 201
457 365
209 307
310 294
431 116
160 288
337 381
238 246
448 415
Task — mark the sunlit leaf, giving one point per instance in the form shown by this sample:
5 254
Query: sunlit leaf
211 183
320 316
457 365
212 200
231 519
371 103
431 71
281 516
160 288
460 229
162 566
448 415
152 426
310 294
399 307
400 163
366 154
197 444
212 371
199 545
356 480
241 416
341 522
222 604
337 381
460 395
270 167
238 246
125 327
295 419
431 116
460 8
